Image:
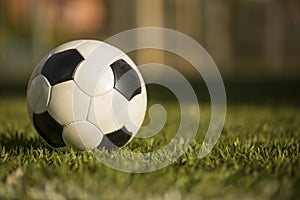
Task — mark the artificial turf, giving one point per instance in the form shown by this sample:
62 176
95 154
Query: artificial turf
256 157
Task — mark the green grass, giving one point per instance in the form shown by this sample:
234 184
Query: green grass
256 157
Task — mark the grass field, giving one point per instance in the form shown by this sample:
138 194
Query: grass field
256 157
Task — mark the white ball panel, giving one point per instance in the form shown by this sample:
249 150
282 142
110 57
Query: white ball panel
136 110
38 94
119 108
68 103
82 135
108 114
67 46
87 47
81 103
105 54
106 82
88 74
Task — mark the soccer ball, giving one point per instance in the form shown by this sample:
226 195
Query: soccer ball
86 94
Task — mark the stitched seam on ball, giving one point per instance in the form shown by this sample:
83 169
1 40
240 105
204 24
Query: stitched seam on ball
66 125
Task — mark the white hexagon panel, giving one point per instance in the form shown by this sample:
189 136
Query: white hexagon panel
94 78
135 119
82 135
108 111
68 103
39 94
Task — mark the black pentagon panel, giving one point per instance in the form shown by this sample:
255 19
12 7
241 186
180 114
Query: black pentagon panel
106 144
49 129
61 66
127 81
118 138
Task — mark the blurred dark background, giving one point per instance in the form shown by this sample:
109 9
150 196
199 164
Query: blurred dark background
253 42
